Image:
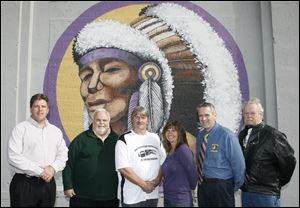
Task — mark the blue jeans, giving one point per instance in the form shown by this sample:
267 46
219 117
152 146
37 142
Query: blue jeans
252 199
171 203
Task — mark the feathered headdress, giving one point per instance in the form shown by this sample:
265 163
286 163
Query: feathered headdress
103 39
188 41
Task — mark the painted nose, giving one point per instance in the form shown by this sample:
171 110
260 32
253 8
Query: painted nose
95 84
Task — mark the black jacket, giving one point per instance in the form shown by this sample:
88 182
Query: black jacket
269 158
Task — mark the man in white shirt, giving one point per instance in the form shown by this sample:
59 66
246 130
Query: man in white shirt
139 156
36 152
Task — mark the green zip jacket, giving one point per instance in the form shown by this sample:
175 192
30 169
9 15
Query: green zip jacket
90 169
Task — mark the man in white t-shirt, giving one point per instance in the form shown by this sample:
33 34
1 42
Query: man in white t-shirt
139 156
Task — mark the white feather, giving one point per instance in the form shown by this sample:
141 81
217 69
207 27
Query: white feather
150 98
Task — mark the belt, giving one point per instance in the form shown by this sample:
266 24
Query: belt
215 180
27 176
211 179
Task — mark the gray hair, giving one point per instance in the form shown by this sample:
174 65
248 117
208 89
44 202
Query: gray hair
139 109
255 101
206 104
101 110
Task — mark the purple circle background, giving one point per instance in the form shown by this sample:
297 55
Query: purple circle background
99 9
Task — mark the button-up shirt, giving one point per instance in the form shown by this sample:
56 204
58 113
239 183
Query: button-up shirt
31 148
224 157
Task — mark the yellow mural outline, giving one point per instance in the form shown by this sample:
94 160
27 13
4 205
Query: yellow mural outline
69 101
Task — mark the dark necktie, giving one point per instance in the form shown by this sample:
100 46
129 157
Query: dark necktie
200 159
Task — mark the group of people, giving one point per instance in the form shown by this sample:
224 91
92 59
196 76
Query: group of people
103 169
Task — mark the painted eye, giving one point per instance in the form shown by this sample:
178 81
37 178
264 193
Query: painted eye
112 70
86 77
85 74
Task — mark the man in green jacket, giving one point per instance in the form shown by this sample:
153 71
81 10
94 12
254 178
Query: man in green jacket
90 177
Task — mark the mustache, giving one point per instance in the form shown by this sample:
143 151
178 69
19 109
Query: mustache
97 102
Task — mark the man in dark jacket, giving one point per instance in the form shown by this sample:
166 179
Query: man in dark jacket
90 178
269 158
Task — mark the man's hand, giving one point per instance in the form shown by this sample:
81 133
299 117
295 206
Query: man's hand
155 182
158 178
48 173
147 186
70 193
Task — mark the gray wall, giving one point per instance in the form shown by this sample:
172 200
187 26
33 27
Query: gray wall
267 34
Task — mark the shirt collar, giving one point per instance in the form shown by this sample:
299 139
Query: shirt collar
35 123
212 129
255 126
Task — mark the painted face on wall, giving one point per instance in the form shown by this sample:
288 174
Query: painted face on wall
108 83
189 72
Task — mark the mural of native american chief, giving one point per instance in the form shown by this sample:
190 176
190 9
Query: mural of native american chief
167 59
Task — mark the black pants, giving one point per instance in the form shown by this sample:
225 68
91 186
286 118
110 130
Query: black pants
76 201
216 193
147 203
28 191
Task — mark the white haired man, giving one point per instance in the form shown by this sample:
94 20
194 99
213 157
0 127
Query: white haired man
270 160
90 177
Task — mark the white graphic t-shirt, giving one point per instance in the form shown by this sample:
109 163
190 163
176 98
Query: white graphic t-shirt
144 154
